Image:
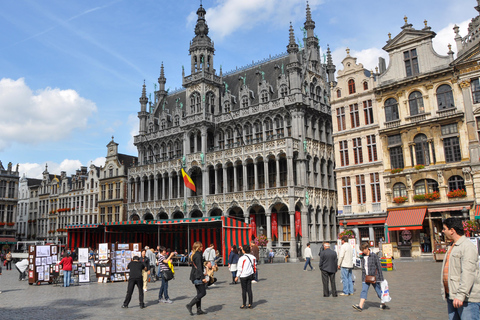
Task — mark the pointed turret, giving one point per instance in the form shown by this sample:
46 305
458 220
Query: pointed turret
162 80
142 115
309 23
201 47
330 66
293 67
292 47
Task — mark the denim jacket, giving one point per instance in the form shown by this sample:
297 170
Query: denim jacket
463 272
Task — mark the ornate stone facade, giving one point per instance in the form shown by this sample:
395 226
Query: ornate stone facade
9 178
255 141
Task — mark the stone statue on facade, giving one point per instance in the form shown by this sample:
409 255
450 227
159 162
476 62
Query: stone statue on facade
305 145
183 161
184 207
203 205
307 198
202 158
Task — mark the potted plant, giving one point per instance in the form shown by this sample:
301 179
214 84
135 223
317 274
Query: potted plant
419 166
400 199
396 170
439 254
459 193
471 227
349 233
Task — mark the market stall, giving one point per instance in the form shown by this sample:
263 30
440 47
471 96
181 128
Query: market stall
42 261
176 234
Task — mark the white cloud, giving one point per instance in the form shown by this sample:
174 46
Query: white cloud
229 16
367 57
133 124
35 170
48 114
447 36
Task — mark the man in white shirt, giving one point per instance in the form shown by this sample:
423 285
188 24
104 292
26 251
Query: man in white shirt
345 263
308 258
209 254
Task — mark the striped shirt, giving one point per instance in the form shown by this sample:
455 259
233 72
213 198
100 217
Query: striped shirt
445 270
163 266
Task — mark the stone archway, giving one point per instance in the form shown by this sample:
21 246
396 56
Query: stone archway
196 214
178 215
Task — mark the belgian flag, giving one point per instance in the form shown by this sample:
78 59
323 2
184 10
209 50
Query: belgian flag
188 181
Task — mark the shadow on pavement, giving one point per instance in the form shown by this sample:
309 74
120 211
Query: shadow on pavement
180 298
215 308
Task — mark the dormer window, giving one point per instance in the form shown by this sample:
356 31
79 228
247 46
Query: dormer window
351 86
365 85
411 62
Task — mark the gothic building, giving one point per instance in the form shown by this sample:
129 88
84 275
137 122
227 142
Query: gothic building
257 143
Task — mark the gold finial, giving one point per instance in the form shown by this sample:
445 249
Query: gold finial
389 36
376 70
406 19
425 21
449 47
348 51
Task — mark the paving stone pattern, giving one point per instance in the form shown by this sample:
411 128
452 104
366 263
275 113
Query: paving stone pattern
284 291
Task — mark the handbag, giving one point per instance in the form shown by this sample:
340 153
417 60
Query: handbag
370 279
168 275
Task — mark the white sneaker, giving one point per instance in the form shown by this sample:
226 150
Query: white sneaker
162 300
168 301
253 281
145 290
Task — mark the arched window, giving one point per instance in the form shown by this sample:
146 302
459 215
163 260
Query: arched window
425 186
176 121
178 148
171 152
268 129
399 190
415 100
391 110
339 93
226 106
258 131
195 102
220 140
318 93
229 137
248 133
283 91
456 183
210 102
264 96
445 97
164 151
422 153
279 127
244 101
351 86
163 124
365 85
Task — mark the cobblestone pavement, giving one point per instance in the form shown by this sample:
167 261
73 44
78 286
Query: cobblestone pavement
284 291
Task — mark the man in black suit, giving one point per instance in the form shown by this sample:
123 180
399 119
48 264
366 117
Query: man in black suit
328 265
136 278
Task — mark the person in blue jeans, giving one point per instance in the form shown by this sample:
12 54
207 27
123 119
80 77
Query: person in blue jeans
162 266
345 264
67 263
370 266
308 258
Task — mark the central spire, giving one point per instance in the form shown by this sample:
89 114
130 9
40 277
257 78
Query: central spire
201 29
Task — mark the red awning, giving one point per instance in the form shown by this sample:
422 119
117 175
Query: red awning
477 212
363 221
448 209
410 219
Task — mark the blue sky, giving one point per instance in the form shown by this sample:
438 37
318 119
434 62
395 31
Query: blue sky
71 72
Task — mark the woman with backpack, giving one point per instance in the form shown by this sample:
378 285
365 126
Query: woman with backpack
246 268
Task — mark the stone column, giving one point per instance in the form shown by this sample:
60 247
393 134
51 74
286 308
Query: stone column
268 215
155 187
225 182
328 236
142 190
235 184
293 242
129 195
290 170
277 165
164 194
245 182
255 175
305 227
216 180
313 232
265 164
149 189
170 187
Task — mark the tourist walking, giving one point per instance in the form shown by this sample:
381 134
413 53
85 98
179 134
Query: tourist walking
308 258
66 263
328 266
8 258
345 264
136 268
197 276
246 267
371 268
146 262
163 261
232 263
460 273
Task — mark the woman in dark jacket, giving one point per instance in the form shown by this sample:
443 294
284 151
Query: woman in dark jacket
232 263
374 267
197 276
